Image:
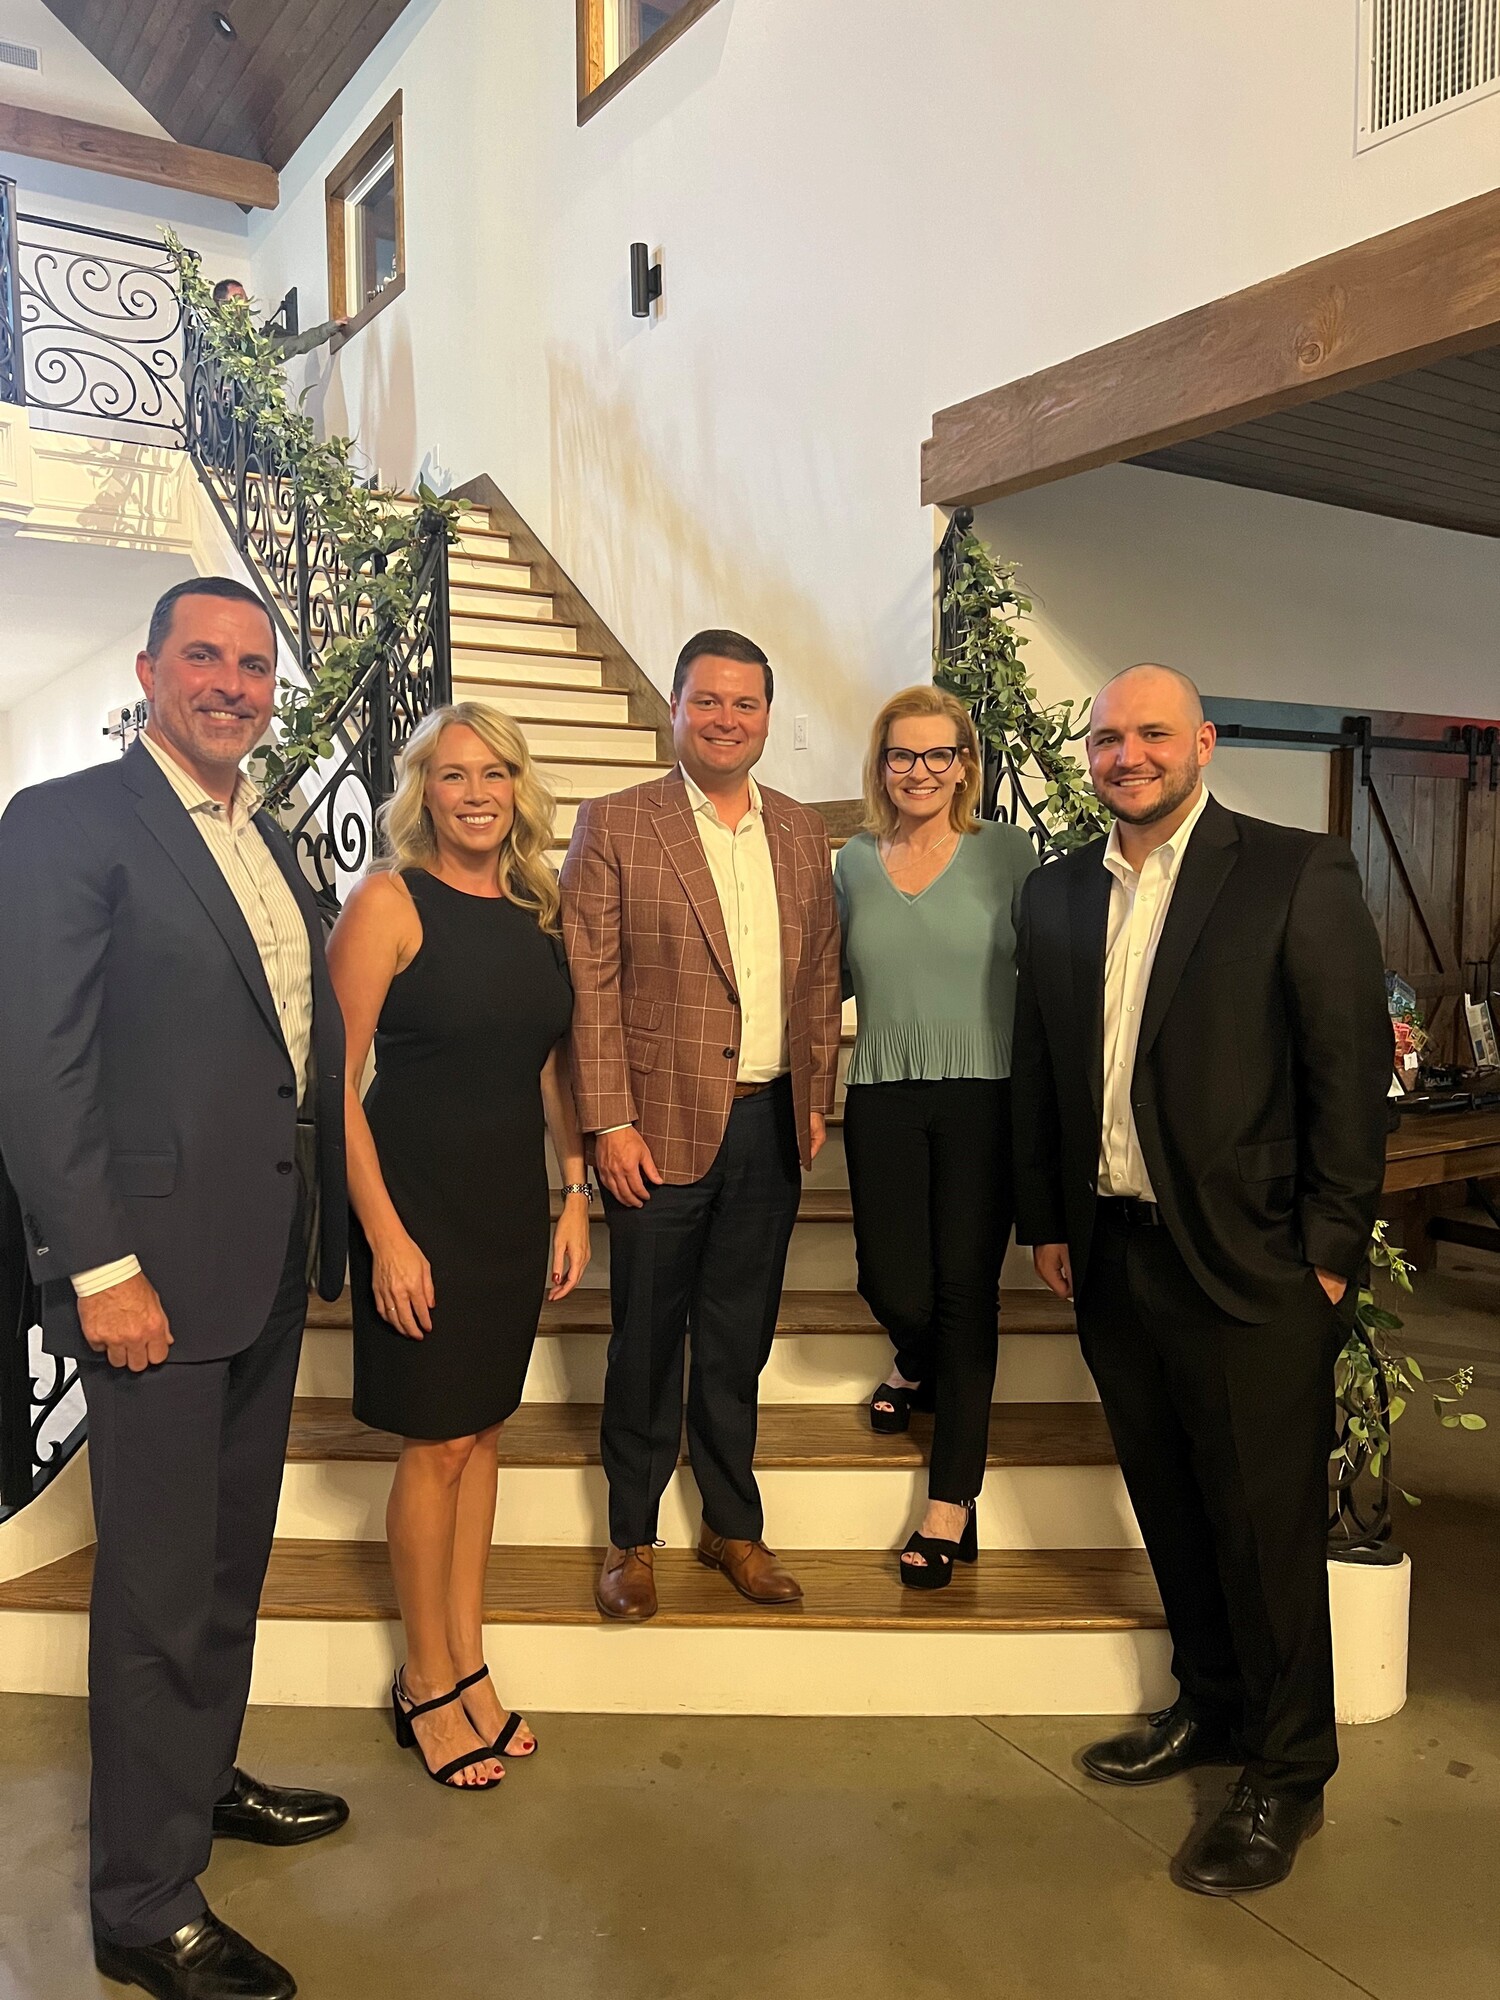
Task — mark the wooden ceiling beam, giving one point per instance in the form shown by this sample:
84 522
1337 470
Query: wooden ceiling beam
1417 294
136 156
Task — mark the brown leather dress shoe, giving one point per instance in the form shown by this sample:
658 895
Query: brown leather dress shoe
627 1583
750 1566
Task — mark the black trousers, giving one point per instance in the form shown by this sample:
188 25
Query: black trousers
1223 1432
930 1175
704 1261
186 1463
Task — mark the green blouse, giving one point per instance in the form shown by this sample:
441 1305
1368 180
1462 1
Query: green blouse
933 975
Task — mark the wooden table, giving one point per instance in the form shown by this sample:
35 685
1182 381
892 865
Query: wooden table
1429 1158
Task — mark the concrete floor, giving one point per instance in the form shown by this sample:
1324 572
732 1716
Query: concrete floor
712 1859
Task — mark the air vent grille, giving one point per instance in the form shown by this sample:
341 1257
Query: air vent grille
1421 58
19 56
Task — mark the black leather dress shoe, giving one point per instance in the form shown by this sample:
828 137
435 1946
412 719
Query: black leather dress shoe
276 1815
205 1960
1172 1741
1251 1845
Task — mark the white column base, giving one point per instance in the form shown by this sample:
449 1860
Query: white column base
1370 1605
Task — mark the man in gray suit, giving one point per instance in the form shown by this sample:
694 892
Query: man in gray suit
171 1115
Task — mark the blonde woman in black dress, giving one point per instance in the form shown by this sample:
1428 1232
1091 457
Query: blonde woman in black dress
448 957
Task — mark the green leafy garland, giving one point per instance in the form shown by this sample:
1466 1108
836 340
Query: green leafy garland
381 545
1370 1416
988 676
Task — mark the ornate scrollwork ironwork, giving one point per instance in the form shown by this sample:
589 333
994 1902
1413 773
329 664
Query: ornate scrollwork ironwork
41 1403
101 330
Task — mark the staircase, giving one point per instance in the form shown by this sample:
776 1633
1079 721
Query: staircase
1060 1615
510 647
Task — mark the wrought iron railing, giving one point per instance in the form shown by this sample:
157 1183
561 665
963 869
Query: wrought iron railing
316 589
41 1405
94 335
95 330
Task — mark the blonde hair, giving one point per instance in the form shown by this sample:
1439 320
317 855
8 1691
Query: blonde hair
880 814
406 831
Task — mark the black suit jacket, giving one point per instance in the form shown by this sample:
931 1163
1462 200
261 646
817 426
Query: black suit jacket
1262 1067
147 1099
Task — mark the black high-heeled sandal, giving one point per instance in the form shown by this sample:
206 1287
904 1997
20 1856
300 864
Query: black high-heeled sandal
935 1571
512 1722
404 1712
891 1407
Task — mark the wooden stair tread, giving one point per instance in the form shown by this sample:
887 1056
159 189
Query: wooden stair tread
587 1311
816 1205
792 1437
1008 1590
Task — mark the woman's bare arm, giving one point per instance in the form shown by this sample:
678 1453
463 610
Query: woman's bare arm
377 935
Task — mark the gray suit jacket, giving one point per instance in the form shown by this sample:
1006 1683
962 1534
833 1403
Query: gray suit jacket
147 1099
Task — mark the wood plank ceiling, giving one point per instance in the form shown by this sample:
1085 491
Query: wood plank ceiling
1423 446
257 93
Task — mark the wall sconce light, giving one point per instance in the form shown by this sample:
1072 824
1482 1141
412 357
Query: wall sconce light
645 281
224 25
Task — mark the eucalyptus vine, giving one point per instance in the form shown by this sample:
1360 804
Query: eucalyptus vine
382 544
985 670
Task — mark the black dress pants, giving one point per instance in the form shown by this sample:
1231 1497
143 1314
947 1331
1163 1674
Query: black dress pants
1223 1433
930 1177
186 1462
704 1261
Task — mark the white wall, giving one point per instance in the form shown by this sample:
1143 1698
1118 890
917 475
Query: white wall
59 728
867 209
1255 596
74 84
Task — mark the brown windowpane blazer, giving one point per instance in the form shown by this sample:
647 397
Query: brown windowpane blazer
656 1018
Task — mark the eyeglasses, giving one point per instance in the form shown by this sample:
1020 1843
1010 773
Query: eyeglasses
937 761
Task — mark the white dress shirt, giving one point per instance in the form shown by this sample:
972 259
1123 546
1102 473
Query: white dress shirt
276 924
739 859
1138 905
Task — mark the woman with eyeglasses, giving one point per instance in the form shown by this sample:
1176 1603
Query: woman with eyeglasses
928 896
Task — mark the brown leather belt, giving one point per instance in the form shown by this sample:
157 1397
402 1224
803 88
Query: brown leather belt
753 1089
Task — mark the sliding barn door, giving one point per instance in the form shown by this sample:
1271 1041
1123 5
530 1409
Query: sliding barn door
1480 941
1410 831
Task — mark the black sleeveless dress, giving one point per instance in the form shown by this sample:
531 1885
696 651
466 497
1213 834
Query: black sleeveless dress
456 1113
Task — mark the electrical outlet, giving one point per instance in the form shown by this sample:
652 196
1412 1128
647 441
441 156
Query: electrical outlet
799 732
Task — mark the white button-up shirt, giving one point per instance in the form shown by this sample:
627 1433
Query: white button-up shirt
1138 905
275 922
739 859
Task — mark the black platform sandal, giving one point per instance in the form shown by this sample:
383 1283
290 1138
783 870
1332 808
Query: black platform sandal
404 1712
891 1408
512 1723
935 1571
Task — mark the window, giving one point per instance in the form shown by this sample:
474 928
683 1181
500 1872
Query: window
366 223
618 38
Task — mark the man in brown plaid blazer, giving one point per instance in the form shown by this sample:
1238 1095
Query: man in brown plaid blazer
704 945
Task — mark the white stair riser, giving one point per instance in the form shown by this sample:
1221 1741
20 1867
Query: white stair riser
481 547
1022 1507
530 704
665 1670
592 781
803 1368
464 572
502 632
499 669
559 742
473 609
